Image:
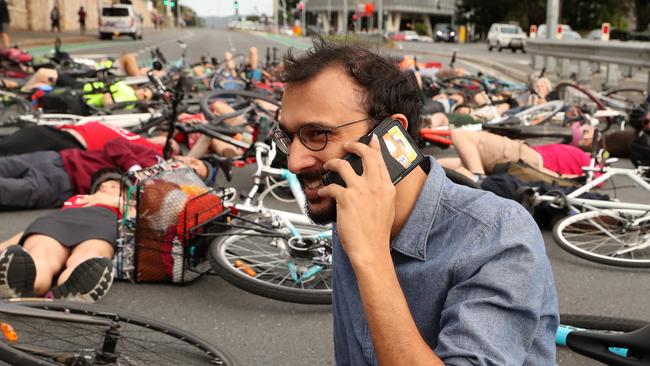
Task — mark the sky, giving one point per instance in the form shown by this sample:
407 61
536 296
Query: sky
225 7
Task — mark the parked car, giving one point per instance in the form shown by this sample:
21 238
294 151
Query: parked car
541 30
506 36
640 36
614 35
395 36
119 19
410 35
571 35
444 32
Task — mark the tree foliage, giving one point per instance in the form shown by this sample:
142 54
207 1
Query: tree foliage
579 14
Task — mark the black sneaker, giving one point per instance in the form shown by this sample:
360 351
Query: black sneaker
88 282
17 273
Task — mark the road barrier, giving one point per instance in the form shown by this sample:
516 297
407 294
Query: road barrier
558 55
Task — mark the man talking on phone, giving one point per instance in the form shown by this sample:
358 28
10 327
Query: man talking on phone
425 272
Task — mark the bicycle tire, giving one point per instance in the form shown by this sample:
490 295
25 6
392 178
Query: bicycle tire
597 322
12 106
458 178
132 333
223 253
611 231
207 111
556 106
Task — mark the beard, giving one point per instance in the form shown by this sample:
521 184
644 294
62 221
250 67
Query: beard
321 210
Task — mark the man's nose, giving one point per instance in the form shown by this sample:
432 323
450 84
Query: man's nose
300 157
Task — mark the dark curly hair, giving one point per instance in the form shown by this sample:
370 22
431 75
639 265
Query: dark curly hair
386 89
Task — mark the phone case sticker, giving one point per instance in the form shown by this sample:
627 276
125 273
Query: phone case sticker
399 147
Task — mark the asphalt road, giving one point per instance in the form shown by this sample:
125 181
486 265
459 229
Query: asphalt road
260 331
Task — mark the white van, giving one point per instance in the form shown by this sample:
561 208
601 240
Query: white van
506 36
119 19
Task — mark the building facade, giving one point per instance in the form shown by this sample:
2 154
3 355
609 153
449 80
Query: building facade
331 15
34 15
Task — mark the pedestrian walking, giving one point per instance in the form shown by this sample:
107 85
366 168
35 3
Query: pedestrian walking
82 19
4 23
55 17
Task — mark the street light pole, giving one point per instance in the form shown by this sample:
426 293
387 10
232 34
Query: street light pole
275 16
552 17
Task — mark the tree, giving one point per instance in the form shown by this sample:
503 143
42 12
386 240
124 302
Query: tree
483 13
642 11
579 14
589 14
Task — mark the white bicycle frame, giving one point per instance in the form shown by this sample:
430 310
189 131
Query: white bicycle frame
119 120
264 170
573 202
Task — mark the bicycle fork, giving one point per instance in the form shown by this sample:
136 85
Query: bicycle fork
298 243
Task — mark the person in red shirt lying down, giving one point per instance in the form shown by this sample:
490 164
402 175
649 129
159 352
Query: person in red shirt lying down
70 248
46 179
87 136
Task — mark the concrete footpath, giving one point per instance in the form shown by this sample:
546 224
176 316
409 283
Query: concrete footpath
27 39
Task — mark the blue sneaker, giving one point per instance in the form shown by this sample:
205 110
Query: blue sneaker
17 273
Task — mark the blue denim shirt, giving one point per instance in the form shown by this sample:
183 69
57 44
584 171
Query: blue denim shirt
474 271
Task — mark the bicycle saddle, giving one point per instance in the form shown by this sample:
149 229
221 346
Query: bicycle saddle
596 345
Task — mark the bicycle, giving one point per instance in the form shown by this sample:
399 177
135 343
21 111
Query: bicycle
613 341
274 253
49 332
608 232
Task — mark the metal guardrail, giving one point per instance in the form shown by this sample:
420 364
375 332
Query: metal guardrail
550 53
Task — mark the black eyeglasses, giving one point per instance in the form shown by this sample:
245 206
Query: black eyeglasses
313 136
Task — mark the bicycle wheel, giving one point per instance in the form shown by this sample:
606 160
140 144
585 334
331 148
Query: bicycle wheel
78 334
617 237
539 114
12 106
595 322
261 259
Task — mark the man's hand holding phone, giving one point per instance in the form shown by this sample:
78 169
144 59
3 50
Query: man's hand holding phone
366 206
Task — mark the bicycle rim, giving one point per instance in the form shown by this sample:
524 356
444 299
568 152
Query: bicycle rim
607 236
259 263
140 341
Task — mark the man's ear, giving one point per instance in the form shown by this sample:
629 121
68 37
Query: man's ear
402 119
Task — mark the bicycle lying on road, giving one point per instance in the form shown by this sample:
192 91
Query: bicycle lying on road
39 332
604 231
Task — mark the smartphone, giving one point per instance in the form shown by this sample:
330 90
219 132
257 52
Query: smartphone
400 153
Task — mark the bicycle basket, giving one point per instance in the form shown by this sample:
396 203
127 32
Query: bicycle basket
163 242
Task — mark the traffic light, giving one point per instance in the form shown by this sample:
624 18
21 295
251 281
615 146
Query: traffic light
235 4
169 2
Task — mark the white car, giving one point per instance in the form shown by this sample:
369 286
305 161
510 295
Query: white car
506 36
119 19
410 35
566 29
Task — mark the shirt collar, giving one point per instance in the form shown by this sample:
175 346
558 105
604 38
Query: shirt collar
412 239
